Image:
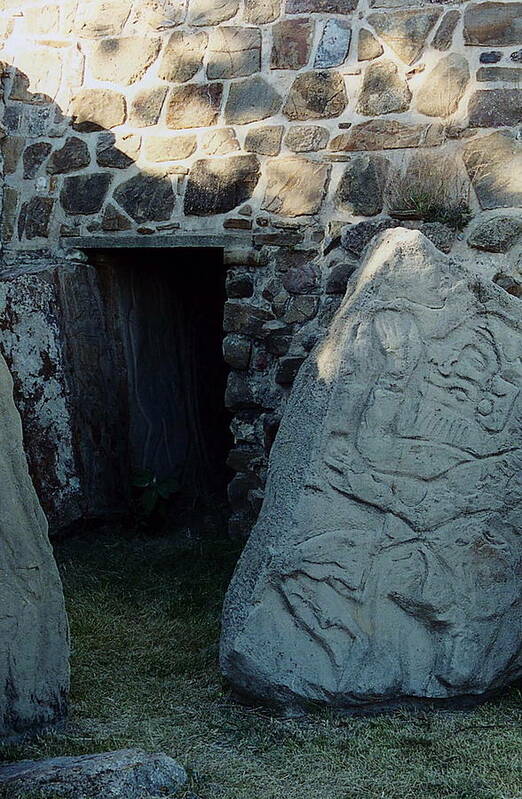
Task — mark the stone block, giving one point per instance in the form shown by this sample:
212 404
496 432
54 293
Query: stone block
219 141
34 157
355 238
295 186
444 33
444 87
84 194
9 213
169 148
35 217
12 148
291 43
383 90
97 109
237 351
265 140
334 44
250 100
387 134
302 279
287 369
337 279
103 18
504 74
495 108
320 6
368 47
123 60
194 106
203 12
72 156
119 154
405 31
215 186
261 12
113 220
306 138
183 56
491 24
234 52
361 188
146 198
146 105
316 95
496 234
494 164
245 318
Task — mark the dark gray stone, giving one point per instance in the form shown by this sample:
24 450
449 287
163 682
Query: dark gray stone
355 238
495 108
493 57
84 194
237 350
35 217
493 24
505 74
287 369
338 278
245 318
107 154
302 279
250 100
444 33
239 285
238 394
516 56
216 186
113 220
72 156
362 185
33 158
496 234
316 95
146 198
320 6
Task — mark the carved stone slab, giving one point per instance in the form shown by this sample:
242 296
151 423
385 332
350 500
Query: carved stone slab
34 650
386 564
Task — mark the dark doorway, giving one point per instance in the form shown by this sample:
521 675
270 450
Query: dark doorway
160 337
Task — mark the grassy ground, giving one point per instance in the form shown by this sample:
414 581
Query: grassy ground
145 623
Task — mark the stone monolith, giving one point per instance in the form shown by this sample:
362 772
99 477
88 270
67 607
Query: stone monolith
34 649
385 568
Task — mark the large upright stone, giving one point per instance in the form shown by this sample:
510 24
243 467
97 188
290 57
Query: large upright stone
218 185
405 31
443 89
386 567
295 186
494 164
34 647
383 90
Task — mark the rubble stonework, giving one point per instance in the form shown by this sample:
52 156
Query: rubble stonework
276 122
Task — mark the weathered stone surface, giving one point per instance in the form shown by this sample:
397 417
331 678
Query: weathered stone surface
72 156
245 318
265 140
146 198
362 185
338 278
239 285
405 31
220 141
129 772
250 100
217 186
40 85
291 43
516 56
303 278
287 369
146 106
306 138
114 220
444 87
368 47
387 134
494 164
355 238
97 109
444 33
104 18
84 194
194 106
260 12
495 108
183 55
441 235
123 60
12 148
334 45
34 671
162 14
237 351
493 24
9 209
496 234
320 6
35 217
491 57
33 158
385 565
119 155
169 148
295 186
234 52
383 90
316 95
203 12
505 74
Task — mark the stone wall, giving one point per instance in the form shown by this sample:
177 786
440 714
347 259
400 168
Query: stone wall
288 131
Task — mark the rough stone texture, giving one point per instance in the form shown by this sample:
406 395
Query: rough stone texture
495 108
385 566
74 155
35 218
320 6
334 45
84 194
220 142
234 52
169 148
355 238
146 198
146 106
405 31
203 12
444 87
496 234
383 90
491 57
265 140
493 24
98 109
237 351
250 100
114 220
194 106
34 671
444 33
291 43
118 155
295 186
183 56
368 47
217 186
387 134
361 189
306 138
34 156
506 74
104 18
316 95
123 60
494 164
12 148
128 772
260 12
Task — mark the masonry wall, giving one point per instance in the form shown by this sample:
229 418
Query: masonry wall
288 132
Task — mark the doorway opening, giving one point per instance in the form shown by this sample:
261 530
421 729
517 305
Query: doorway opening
152 385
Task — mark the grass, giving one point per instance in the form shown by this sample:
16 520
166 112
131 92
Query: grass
144 617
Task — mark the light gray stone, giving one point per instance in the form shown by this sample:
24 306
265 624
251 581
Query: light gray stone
127 773
368 47
496 234
306 138
444 87
385 565
250 100
334 44
406 30
383 90
146 106
212 12
123 60
265 140
183 56
234 52
494 164
34 647
295 186
103 18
